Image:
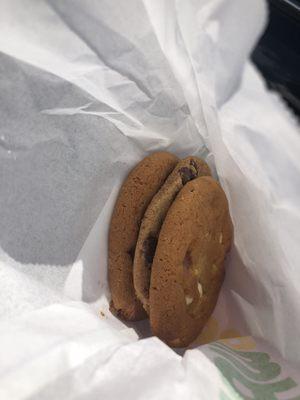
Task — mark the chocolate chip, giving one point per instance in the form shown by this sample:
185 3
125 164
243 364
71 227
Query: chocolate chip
187 261
186 175
149 247
131 253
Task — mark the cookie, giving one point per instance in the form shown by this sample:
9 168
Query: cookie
135 195
188 266
186 170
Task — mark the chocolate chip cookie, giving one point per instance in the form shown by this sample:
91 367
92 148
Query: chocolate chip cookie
135 195
186 170
188 266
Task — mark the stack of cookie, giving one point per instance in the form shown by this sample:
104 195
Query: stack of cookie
169 235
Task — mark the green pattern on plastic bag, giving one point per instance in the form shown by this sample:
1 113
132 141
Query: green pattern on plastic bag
251 374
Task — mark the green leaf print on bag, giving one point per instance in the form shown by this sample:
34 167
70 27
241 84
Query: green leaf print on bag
250 373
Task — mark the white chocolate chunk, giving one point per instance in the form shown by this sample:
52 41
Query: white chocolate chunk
188 300
200 289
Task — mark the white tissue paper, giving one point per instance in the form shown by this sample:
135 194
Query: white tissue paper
87 89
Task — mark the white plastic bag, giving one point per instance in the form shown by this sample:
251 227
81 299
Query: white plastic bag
86 90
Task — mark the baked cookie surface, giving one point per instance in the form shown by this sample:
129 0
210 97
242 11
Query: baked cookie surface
135 194
188 266
186 170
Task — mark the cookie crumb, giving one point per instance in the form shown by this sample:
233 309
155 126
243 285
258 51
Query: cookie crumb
102 314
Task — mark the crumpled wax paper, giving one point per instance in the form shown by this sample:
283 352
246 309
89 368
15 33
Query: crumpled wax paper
87 89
